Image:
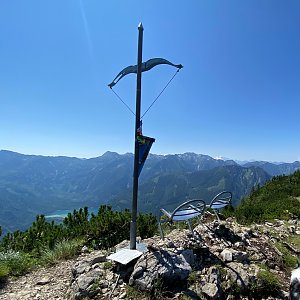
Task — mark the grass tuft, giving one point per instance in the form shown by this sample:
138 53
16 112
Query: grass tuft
61 251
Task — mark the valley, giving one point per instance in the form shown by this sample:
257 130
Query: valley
32 184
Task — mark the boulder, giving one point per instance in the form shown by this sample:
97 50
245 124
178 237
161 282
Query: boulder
168 266
211 291
241 274
226 255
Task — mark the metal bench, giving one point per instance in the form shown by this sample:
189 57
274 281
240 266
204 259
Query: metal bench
184 212
220 201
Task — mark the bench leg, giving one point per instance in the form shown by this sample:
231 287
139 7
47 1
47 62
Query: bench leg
161 231
190 227
216 213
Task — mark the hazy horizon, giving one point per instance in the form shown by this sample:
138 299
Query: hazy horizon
163 154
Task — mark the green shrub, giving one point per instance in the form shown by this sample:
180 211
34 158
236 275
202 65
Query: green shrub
4 270
276 199
228 211
146 225
107 265
267 284
192 278
15 262
157 292
290 260
104 230
295 240
133 293
287 258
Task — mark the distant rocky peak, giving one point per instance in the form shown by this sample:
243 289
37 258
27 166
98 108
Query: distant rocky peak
110 154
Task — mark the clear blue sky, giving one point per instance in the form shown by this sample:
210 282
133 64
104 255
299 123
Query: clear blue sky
237 95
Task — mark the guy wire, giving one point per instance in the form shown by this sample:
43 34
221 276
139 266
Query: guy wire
123 102
160 93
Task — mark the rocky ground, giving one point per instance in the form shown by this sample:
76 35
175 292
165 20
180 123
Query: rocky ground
222 260
43 283
50 283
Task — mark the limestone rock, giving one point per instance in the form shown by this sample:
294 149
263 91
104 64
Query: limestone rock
43 281
168 266
210 290
239 273
226 255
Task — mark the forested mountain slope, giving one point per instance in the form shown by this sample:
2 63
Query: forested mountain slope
170 189
31 184
276 199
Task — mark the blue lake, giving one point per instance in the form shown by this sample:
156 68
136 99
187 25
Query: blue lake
62 213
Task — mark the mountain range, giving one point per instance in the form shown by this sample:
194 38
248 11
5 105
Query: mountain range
32 184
